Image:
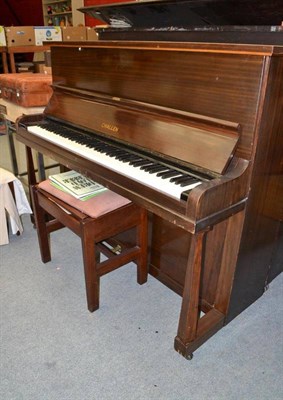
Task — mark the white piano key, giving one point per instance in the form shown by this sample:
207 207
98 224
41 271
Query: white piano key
150 180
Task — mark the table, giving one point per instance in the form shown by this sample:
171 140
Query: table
23 49
11 112
3 51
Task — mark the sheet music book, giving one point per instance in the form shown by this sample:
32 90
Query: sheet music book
76 184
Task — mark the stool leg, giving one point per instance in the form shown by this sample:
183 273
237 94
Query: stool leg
40 223
92 280
142 270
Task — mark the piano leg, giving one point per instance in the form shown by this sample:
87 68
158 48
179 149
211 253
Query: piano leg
30 167
190 310
194 330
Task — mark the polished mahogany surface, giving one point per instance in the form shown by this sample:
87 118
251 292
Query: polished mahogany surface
154 97
269 35
213 109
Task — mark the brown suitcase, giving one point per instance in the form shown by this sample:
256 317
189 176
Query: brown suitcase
26 90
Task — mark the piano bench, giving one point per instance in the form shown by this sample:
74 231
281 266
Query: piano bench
96 221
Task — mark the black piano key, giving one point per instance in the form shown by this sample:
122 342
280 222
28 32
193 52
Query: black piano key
161 173
124 155
146 166
134 158
188 182
150 167
140 163
153 170
127 157
101 147
132 162
178 177
113 151
169 174
118 151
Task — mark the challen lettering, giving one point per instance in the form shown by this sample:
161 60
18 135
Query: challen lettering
110 127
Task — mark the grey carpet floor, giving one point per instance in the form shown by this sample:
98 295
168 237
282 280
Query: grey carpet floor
52 348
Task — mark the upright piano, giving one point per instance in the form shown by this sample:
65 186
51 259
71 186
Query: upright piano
191 131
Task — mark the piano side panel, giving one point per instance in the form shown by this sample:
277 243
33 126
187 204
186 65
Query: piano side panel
258 262
169 252
216 84
260 256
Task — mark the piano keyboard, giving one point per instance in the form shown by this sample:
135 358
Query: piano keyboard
149 172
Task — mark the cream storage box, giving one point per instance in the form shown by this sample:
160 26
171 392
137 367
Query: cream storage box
2 36
47 34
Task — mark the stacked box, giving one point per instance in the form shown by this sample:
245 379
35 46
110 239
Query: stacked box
91 34
20 36
73 33
47 34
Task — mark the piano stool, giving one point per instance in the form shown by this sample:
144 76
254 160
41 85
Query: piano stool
96 221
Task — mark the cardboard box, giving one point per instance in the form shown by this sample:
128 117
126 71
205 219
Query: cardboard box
20 36
42 69
2 36
25 67
47 58
73 33
47 70
91 34
47 34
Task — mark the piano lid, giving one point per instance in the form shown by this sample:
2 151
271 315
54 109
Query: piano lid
187 13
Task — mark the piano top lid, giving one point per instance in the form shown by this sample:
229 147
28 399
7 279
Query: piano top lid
187 13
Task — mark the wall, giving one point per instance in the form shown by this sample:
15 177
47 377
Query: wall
29 12
20 12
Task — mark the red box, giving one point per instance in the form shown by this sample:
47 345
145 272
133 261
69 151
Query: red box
26 90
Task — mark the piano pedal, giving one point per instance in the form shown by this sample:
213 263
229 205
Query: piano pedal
117 249
108 249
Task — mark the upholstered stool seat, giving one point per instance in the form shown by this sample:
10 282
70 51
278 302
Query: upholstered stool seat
96 221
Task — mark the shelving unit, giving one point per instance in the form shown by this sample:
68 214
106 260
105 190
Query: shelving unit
62 12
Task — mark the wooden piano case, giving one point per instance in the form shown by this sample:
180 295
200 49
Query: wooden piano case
165 96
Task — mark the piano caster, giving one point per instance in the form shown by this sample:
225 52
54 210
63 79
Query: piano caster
189 356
